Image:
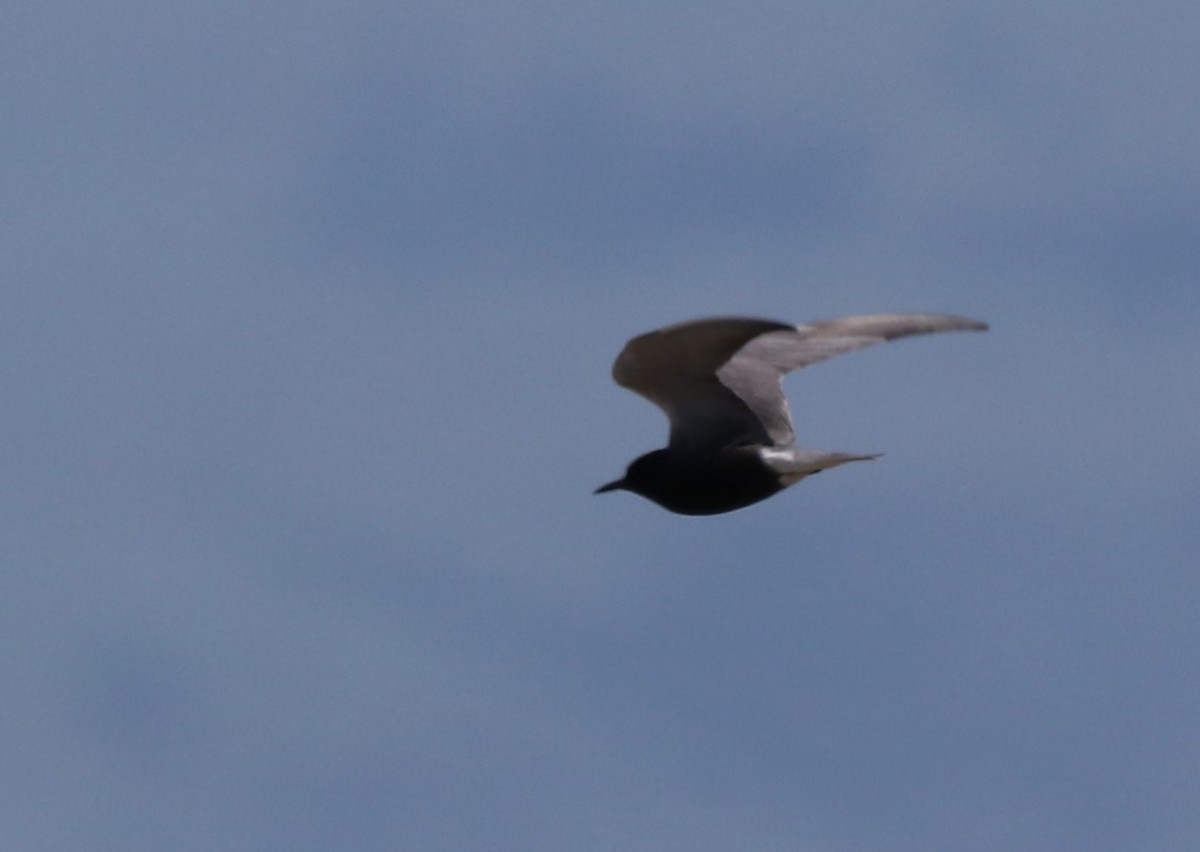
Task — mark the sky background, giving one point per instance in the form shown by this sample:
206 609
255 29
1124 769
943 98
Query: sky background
309 311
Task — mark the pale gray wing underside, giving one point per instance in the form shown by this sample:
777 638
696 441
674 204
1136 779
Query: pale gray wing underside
718 380
755 370
676 369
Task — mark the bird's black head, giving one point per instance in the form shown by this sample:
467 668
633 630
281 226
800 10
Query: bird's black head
645 476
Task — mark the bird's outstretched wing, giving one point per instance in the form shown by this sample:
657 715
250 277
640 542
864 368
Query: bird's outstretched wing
676 369
718 380
754 371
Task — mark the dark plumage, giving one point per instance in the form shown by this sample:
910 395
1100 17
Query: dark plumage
718 381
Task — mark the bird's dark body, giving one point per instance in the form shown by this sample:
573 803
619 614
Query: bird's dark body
692 484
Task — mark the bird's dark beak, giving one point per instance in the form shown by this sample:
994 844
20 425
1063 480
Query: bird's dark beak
615 485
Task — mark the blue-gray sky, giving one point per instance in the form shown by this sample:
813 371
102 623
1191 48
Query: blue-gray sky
309 310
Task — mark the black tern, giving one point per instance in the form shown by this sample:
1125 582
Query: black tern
718 382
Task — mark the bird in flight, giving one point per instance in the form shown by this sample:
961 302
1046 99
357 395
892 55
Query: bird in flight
718 382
